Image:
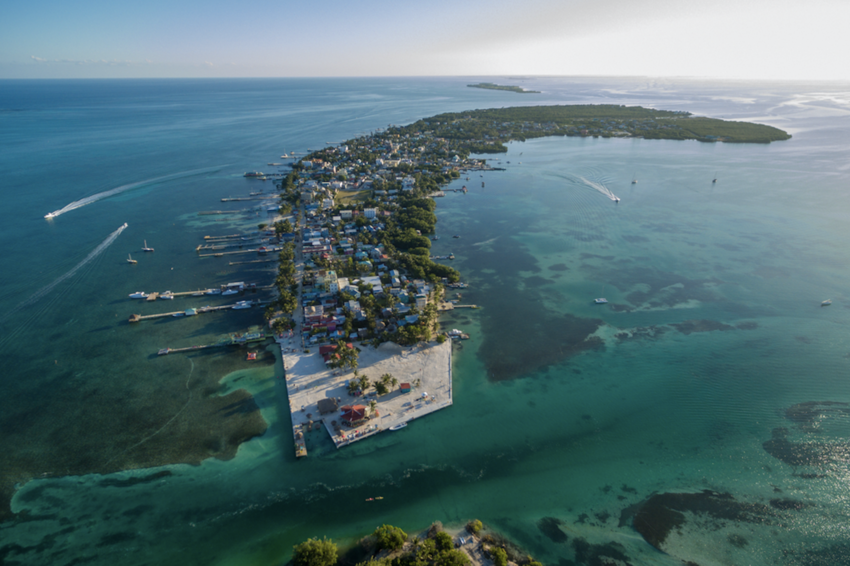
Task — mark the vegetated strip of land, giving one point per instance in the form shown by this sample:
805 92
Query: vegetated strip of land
511 88
485 131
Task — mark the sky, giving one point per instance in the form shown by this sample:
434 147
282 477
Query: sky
734 39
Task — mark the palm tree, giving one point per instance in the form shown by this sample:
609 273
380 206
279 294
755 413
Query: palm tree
393 381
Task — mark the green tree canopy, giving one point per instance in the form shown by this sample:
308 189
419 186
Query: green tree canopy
389 537
315 552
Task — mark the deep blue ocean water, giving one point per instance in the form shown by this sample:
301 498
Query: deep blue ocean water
713 331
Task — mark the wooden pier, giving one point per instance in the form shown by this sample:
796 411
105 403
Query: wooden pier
235 340
233 244
252 261
251 251
234 199
201 310
451 307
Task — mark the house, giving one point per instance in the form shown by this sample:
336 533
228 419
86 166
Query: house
328 405
404 388
370 212
354 415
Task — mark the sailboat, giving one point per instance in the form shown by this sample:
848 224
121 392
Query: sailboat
130 259
146 248
634 178
715 178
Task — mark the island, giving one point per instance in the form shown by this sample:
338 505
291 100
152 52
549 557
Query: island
510 88
356 277
369 288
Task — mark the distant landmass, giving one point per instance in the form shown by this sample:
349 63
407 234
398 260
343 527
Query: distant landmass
486 131
511 88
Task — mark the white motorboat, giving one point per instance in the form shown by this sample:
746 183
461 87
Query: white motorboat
242 305
212 292
229 292
600 301
50 215
138 295
398 426
168 295
826 303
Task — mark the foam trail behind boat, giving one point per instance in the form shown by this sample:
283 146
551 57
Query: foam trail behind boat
47 288
111 192
599 187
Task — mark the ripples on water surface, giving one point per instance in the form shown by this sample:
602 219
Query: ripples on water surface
711 389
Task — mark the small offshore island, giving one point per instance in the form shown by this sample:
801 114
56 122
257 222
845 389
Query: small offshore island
354 235
510 88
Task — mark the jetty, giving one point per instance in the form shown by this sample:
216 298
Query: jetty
251 251
232 244
451 306
193 312
236 339
234 199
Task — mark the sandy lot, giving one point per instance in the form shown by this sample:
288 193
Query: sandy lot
308 380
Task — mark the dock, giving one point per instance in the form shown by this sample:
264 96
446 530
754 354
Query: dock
210 212
201 310
235 340
451 307
252 261
235 244
251 251
234 199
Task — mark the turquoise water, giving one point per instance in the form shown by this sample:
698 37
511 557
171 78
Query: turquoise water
713 330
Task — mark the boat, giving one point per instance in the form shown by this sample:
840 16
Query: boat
168 295
715 178
615 198
634 179
130 259
146 248
138 295
455 236
398 426
179 314
163 351
191 312
600 301
254 174
50 215
198 293
229 292
242 305
252 356
212 292
826 303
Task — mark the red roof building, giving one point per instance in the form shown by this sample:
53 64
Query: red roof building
353 415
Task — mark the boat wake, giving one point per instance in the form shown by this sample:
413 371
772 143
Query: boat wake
47 288
599 187
117 190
